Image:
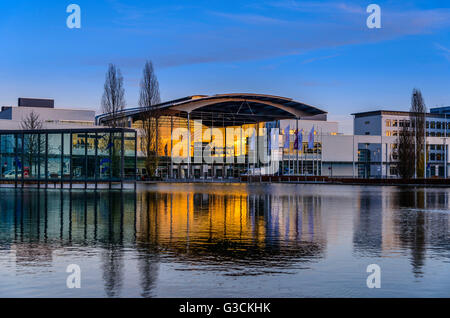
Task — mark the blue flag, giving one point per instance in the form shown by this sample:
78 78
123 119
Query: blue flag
311 139
252 141
300 139
273 140
286 137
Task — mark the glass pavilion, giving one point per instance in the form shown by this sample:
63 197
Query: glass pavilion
68 155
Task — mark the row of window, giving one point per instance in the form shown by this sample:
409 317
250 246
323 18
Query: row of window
432 147
398 123
429 134
432 157
408 123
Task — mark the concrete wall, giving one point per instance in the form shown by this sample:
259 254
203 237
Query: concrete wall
338 169
370 125
49 114
338 148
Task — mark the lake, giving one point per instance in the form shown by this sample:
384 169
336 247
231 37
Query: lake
226 240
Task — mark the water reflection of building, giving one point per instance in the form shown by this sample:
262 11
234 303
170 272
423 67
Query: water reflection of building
392 220
218 227
423 222
222 229
368 224
37 223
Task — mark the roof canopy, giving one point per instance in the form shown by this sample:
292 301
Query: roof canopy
228 109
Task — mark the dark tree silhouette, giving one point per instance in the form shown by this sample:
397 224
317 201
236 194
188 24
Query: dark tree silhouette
113 99
149 97
33 143
405 153
418 110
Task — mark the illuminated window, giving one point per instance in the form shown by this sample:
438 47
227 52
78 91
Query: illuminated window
388 123
388 133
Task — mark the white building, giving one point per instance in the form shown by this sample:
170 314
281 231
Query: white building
11 117
371 151
387 125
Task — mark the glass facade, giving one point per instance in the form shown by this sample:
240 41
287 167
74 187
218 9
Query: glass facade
68 155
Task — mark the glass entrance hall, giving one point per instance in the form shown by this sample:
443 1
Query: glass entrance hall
68 155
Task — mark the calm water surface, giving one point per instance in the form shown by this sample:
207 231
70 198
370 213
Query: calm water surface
223 240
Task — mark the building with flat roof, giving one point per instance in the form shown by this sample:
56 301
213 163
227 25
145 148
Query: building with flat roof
67 150
440 110
11 117
68 156
387 124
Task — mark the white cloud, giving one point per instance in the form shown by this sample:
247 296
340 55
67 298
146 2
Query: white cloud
443 51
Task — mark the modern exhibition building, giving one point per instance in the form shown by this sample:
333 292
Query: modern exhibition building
306 144
219 137
239 120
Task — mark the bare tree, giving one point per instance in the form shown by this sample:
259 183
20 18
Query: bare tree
33 142
405 150
113 99
418 110
149 97
31 122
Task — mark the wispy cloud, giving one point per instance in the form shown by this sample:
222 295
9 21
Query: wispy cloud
273 34
250 18
317 6
444 51
318 58
132 15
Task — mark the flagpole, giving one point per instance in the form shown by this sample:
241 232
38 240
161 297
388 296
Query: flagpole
282 160
313 156
415 147
298 146
303 154
321 150
289 150
425 147
248 156
315 153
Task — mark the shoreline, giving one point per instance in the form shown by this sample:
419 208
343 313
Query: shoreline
434 182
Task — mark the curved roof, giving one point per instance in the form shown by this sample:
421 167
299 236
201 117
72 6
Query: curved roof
241 108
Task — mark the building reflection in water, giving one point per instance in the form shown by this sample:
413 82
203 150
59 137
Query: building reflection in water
222 228
231 230
238 234
402 220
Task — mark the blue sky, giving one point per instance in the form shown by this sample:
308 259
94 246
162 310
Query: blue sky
320 53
